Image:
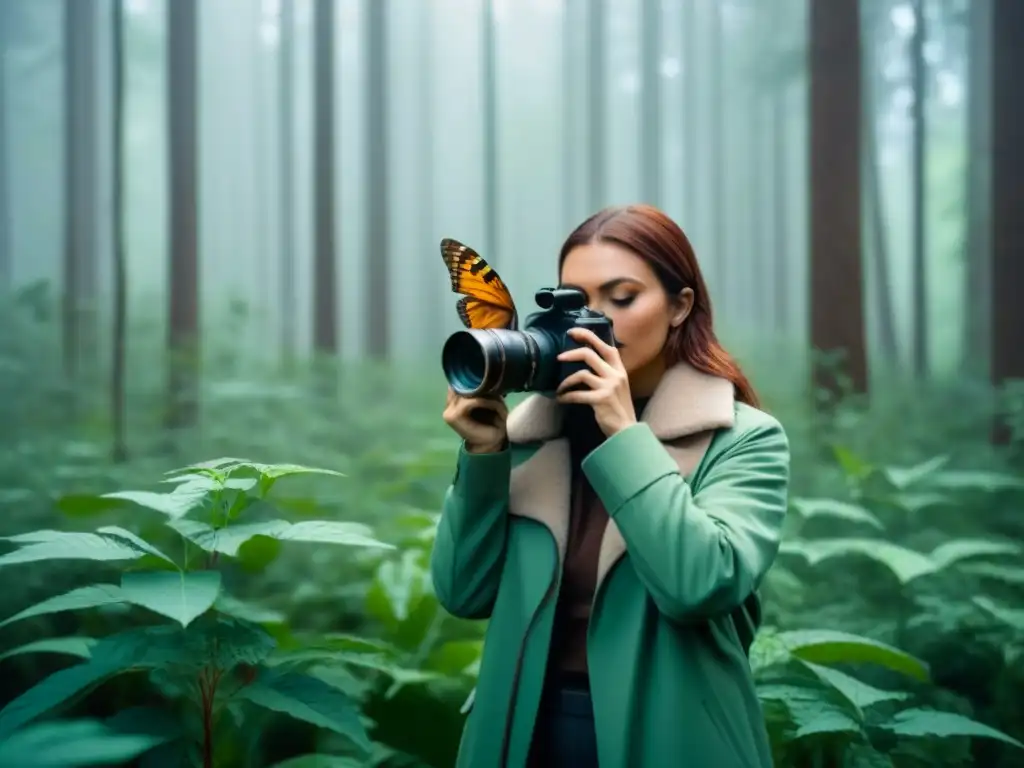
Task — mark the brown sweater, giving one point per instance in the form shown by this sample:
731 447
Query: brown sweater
587 522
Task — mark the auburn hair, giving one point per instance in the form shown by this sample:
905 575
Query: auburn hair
659 241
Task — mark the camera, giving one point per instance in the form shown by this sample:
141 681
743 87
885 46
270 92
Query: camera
496 361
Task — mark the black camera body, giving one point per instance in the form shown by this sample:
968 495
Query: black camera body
496 361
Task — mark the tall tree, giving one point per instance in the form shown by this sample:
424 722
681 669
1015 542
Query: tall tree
690 149
597 13
837 309
918 70
117 368
80 182
183 138
489 84
286 170
1007 237
978 184
650 106
376 111
325 291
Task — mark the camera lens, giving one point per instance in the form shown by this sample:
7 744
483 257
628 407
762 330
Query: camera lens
497 361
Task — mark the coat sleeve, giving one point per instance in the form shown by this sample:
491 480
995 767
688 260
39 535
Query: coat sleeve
697 555
469 547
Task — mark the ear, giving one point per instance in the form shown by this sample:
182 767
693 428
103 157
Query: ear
682 305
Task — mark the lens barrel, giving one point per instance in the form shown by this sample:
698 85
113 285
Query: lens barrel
481 362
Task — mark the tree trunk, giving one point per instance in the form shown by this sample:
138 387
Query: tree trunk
978 296
117 369
80 187
836 277
325 292
690 149
378 312
716 149
1007 195
183 256
286 168
650 105
919 264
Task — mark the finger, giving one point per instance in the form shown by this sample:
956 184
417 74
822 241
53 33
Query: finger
607 352
581 396
587 355
587 378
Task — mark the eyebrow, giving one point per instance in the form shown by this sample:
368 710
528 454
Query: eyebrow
607 285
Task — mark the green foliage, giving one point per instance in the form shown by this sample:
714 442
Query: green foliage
246 614
209 663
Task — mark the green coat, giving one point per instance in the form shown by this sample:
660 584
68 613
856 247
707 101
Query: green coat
675 606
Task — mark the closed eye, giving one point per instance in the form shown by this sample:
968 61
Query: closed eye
623 302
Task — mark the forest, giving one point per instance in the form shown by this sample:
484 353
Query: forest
222 307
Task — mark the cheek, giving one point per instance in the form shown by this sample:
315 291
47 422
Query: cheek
643 331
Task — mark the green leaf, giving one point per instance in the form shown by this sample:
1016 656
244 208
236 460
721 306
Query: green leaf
823 646
187 497
308 698
211 640
858 693
71 645
905 477
227 540
179 596
842 510
108 543
71 743
320 761
246 611
1011 617
93 596
976 480
961 549
905 564
920 722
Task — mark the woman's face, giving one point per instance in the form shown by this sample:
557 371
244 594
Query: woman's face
620 284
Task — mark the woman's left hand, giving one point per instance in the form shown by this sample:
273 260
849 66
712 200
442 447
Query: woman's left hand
606 382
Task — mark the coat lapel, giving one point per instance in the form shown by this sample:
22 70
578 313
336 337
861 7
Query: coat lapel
684 412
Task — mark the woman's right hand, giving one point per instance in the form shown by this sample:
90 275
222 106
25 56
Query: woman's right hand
480 421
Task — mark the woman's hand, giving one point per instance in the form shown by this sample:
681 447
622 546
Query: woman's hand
607 384
480 421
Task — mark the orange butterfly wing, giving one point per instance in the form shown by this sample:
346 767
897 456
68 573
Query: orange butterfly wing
487 301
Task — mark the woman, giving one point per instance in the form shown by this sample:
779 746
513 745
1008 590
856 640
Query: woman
615 535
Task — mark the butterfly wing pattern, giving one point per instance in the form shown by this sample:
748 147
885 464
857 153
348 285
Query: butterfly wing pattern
487 301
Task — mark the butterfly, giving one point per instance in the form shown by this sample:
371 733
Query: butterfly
486 302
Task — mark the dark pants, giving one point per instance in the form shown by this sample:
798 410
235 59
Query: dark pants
564 735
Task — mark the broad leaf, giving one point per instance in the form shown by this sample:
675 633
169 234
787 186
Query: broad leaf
977 480
929 722
823 646
72 743
179 596
961 549
906 564
1011 617
906 477
187 497
71 646
307 698
109 543
210 640
860 694
229 539
842 510
93 596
